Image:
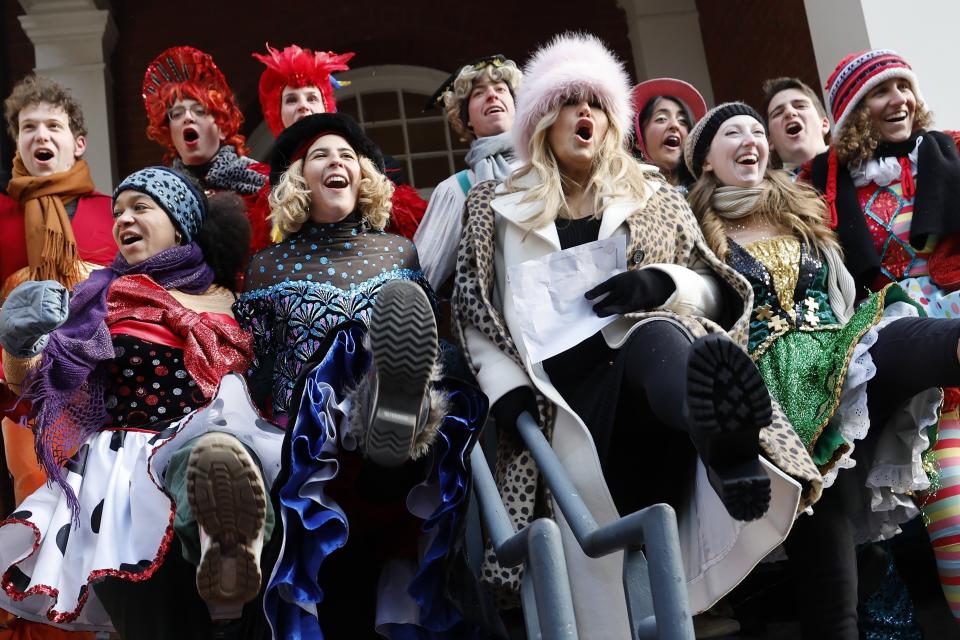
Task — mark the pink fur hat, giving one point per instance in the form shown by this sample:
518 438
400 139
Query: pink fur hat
571 64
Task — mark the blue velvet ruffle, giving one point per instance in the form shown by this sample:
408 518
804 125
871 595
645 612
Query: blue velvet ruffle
315 526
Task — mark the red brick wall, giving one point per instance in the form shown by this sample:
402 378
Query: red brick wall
748 41
413 33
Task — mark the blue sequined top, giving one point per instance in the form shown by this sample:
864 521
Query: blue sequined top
320 277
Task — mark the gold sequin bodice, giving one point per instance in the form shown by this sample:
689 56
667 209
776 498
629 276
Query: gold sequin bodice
780 256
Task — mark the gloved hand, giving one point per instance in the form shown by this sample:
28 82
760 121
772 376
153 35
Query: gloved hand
30 313
508 408
637 290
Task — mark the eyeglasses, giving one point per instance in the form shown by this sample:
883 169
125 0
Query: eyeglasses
178 112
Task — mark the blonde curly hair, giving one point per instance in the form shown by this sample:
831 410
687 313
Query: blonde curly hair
615 173
858 139
784 203
290 199
454 101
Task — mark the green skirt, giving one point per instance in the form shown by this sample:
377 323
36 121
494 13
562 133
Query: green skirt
805 370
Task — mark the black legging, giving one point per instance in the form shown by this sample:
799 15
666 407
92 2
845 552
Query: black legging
626 397
911 354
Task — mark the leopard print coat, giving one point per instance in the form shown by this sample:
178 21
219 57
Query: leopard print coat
662 231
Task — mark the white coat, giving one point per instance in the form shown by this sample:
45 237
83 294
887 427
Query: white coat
718 551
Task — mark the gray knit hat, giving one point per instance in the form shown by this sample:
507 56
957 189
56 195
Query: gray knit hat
698 142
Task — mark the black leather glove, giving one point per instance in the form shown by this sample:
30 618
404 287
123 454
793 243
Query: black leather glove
637 290
508 408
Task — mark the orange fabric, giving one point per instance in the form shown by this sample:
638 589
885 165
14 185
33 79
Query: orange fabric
22 461
51 246
13 628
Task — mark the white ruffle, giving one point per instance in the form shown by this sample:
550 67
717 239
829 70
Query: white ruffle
126 514
883 171
889 467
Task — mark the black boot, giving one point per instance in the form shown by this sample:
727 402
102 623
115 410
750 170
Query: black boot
728 404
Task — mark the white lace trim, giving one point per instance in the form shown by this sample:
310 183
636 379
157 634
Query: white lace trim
883 171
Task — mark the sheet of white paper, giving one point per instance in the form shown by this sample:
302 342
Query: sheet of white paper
548 295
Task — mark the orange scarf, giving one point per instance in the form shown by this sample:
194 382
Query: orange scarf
51 248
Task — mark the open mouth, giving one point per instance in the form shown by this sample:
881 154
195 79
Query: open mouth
128 240
494 109
794 128
748 159
584 129
672 141
897 117
336 182
190 135
43 155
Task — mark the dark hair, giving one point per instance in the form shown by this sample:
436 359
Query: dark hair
773 86
684 177
225 238
35 89
647 112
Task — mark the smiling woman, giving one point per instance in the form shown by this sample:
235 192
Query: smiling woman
141 227
838 368
345 339
137 411
893 190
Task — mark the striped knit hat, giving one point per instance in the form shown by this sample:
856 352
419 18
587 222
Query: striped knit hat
698 142
858 73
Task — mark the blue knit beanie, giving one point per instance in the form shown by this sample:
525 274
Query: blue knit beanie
174 192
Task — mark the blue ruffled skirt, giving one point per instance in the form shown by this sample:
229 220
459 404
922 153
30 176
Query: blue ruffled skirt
411 600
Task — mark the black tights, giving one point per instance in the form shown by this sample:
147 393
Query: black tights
911 355
653 393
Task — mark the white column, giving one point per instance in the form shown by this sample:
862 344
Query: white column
73 40
923 33
666 41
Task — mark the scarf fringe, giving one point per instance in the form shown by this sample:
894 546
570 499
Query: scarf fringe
59 260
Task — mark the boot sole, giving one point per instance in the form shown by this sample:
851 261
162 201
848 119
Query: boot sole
228 499
729 404
403 339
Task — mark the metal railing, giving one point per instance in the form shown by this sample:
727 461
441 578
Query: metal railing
547 603
654 584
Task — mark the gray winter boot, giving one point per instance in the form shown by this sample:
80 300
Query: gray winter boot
397 411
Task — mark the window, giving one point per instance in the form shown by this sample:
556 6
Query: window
388 102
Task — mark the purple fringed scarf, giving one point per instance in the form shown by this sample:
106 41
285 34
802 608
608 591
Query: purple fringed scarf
66 391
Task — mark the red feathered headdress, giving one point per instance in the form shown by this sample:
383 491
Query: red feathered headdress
297 67
185 73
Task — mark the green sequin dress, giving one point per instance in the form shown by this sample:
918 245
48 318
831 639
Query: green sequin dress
803 351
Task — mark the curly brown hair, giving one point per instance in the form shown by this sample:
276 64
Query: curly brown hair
34 89
858 139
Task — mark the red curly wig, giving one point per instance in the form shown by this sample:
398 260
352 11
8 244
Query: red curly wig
185 73
296 67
